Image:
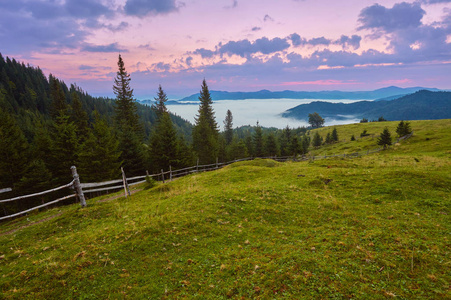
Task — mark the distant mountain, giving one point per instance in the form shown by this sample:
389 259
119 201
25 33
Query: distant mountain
422 105
265 94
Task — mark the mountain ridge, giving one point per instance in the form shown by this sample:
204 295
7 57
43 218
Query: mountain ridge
385 92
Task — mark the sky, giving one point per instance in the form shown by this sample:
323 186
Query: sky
236 45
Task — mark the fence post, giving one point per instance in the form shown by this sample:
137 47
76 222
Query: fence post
162 175
77 186
216 162
170 173
124 180
197 165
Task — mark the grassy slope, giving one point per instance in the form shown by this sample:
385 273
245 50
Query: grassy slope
371 227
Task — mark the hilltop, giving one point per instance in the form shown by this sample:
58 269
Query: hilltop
370 227
421 105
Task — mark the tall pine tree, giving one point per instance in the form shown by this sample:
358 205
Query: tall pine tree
163 144
205 131
129 128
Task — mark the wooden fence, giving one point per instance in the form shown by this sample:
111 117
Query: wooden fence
80 189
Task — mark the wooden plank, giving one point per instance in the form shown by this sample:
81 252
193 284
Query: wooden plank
138 177
135 183
37 207
105 189
6 190
96 184
38 194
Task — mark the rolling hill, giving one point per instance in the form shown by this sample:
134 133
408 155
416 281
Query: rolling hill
371 227
421 105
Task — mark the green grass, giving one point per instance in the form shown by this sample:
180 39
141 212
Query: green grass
374 227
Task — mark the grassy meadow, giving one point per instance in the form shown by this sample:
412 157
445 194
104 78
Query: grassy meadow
372 227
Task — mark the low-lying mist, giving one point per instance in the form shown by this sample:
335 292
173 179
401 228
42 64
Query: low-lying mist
266 111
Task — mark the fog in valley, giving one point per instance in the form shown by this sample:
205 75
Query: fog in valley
266 111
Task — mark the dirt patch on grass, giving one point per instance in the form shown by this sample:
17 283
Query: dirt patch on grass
31 224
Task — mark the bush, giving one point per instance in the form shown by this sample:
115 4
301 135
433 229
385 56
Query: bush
150 183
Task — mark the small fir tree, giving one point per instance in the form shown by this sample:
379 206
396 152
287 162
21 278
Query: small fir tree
328 138
228 127
160 107
385 138
334 135
258 141
403 128
305 144
317 140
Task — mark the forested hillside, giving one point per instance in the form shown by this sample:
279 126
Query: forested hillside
46 126
422 105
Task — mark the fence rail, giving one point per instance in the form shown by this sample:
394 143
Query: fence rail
103 186
5 190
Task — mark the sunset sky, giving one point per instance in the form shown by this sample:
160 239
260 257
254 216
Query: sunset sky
236 45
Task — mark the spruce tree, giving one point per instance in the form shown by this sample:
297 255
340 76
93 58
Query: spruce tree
125 105
99 154
58 105
295 147
285 141
13 151
271 147
335 135
205 131
403 128
317 140
228 127
160 107
328 138
258 141
79 116
164 145
128 126
305 143
237 150
385 138
63 149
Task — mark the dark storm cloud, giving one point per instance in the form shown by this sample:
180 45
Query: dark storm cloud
401 16
142 8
